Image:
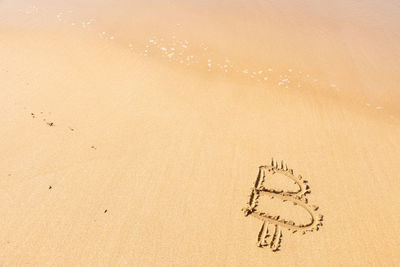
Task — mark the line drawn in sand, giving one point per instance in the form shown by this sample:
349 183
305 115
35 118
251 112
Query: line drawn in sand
272 238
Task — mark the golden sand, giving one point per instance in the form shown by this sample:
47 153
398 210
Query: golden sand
133 133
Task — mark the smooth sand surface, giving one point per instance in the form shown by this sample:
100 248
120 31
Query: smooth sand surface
132 133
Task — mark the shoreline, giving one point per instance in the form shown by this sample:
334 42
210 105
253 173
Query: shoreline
111 157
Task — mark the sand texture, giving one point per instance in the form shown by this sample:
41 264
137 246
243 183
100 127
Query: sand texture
180 133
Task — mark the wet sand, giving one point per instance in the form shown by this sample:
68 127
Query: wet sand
132 134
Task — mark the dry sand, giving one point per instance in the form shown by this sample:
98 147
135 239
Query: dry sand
132 133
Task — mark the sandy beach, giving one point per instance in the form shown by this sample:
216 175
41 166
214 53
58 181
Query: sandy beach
133 133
